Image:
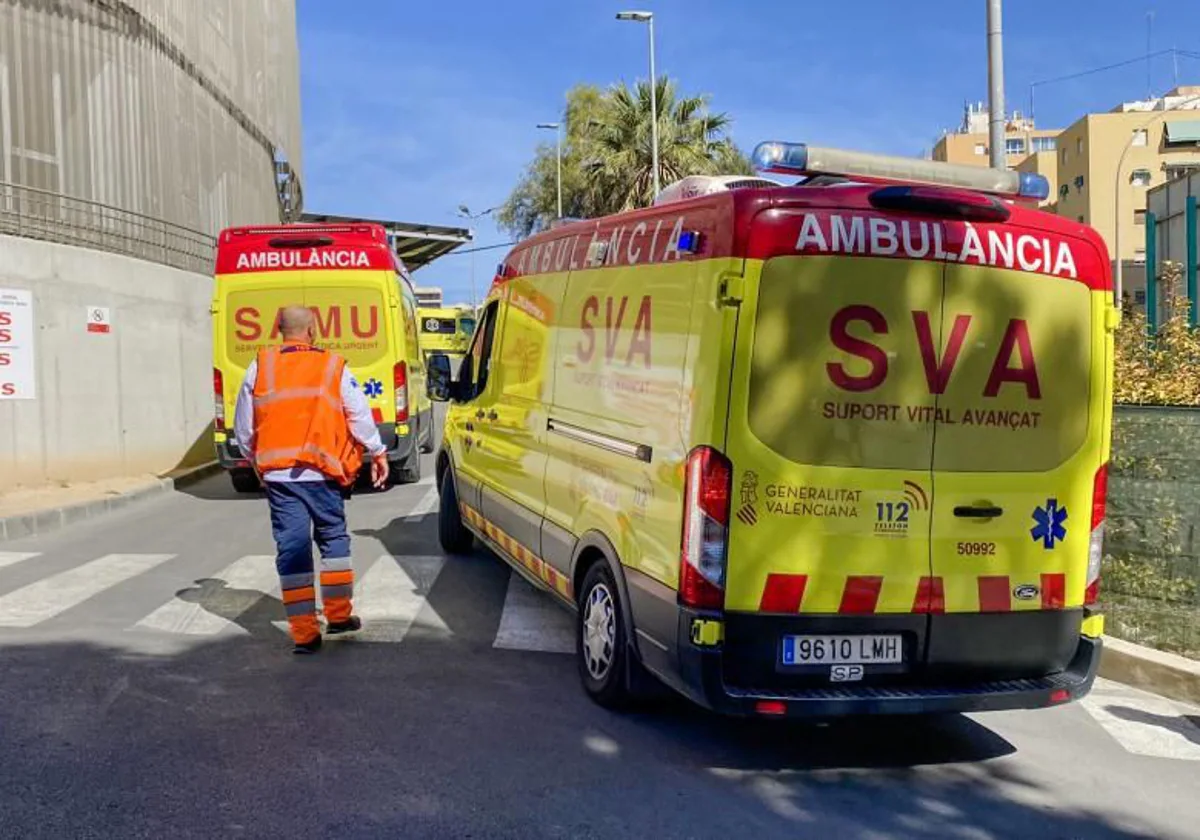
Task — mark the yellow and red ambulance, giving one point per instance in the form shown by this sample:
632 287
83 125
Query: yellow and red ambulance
826 448
365 309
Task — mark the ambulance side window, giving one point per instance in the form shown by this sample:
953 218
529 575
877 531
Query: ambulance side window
480 355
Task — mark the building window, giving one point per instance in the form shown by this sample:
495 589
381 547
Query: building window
1064 154
1044 144
1140 137
980 149
1079 182
1014 146
1140 178
1139 296
1064 190
1139 255
1139 217
1079 146
1080 219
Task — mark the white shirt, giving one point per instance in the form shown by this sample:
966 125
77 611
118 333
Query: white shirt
354 403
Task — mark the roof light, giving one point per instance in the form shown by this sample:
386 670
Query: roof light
802 159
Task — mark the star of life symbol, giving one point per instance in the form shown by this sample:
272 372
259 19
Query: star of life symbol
1049 528
373 388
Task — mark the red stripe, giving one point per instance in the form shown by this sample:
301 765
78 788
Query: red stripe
861 594
1054 591
931 596
993 594
783 593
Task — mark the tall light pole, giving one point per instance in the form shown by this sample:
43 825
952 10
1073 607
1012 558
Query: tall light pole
1119 285
558 136
648 18
465 213
996 117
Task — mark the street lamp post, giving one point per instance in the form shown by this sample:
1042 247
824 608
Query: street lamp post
648 18
1119 285
558 137
465 213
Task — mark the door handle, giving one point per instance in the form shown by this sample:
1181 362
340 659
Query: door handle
977 512
492 415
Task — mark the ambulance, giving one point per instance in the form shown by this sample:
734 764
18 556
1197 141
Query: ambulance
830 447
365 310
446 329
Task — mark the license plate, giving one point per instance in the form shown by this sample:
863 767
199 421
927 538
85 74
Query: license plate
842 650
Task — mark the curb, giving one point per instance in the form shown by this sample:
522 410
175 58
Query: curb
37 523
1156 671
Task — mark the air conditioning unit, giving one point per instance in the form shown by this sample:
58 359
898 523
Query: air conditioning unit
694 186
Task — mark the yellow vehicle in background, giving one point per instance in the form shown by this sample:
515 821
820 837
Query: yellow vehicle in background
446 329
833 448
365 310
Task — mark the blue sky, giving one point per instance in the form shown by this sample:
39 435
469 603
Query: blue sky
411 109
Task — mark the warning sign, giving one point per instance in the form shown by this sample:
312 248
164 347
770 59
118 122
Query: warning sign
17 380
99 320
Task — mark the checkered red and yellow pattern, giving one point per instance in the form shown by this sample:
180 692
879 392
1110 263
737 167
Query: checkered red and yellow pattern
784 593
517 553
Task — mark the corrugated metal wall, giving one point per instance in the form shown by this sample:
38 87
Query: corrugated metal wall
167 108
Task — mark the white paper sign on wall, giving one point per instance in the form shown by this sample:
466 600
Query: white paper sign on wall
17 378
99 320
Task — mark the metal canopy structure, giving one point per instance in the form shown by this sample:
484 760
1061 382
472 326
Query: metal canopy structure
415 245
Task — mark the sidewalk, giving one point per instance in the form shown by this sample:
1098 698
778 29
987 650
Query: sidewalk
33 511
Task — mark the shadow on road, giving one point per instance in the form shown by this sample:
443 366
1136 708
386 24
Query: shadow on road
1186 725
239 738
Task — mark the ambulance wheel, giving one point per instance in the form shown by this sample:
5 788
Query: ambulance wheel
244 481
601 640
452 533
407 471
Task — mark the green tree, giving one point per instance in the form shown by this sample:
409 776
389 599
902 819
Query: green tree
607 155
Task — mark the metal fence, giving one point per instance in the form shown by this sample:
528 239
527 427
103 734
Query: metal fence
49 216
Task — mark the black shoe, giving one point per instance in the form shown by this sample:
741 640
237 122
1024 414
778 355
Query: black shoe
348 626
308 648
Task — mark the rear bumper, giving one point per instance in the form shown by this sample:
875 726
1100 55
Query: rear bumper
399 447
708 677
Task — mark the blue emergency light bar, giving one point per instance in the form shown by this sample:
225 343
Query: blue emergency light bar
803 159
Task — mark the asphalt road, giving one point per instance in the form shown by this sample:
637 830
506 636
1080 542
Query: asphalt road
147 691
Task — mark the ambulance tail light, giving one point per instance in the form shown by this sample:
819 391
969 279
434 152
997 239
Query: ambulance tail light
400 381
218 400
802 159
1091 593
707 490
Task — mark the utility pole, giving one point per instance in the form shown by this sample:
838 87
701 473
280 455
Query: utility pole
996 114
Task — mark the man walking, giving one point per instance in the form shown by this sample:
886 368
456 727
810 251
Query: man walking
301 420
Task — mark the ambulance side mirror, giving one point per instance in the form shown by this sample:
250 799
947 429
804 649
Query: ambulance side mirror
440 378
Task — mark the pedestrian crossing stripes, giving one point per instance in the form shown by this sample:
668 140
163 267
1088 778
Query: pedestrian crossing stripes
1144 723
532 621
10 558
31 605
214 605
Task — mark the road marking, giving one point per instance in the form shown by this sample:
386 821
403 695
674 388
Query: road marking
1144 723
58 593
531 621
9 558
427 504
213 604
426 479
391 599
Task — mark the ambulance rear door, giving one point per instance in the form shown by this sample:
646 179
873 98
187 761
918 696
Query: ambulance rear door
1017 449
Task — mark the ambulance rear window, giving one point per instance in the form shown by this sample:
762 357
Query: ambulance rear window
909 364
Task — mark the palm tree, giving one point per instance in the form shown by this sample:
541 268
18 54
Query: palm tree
691 141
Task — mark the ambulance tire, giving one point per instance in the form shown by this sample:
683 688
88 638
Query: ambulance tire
608 684
244 481
407 471
453 535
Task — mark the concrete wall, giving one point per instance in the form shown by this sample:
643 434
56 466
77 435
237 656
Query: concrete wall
135 400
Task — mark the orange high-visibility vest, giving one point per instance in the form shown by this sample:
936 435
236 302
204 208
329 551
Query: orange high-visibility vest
299 418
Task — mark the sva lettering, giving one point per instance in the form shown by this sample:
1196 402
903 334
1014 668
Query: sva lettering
5 359
938 369
7 389
614 316
248 322
6 336
5 319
